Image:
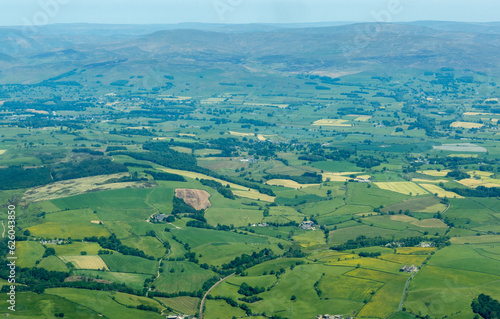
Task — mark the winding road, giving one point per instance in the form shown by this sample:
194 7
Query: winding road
209 290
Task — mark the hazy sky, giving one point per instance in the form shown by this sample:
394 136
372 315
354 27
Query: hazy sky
21 12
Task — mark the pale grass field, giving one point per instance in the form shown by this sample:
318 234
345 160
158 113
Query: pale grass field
241 134
77 186
430 223
434 189
331 122
466 125
288 183
432 172
85 262
403 218
406 188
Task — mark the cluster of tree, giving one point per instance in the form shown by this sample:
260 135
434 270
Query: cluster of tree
454 162
15 177
480 191
251 299
129 164
38 279
86 168
362 242
368 162
423 122
164 176
160 153
114 243
255 122
306 178
486 307
221 189
148 308
180 208
115 148
88 151
247 261
457 174
367 254
247 290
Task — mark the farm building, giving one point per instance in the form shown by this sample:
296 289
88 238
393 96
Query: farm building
425 244
307 224
409 269
158 218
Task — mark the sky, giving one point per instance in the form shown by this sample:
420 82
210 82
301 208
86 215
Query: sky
41 12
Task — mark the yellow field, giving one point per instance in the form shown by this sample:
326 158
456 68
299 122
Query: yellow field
406 188
177 98
466 125
288 183
281 106
405 259
480 173
262 137
414 250
403 218
364 177
430 223
491 99
78 186
421 180
433 172
434 209
338 177
331 122
138 127
37 111
440 192
463 155
2 151
241 134
85 262
213 100
476 113
240 190
185 134
363 118
487 182
254 195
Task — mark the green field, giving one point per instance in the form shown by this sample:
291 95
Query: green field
328 171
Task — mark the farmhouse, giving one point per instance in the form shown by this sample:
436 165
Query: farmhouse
307 224
425 244
409 269
158 218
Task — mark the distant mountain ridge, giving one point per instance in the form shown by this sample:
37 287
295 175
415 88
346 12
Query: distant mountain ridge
310 48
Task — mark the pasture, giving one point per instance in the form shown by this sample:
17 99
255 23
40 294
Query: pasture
407 188
130 264
181 276
85 262
434 189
